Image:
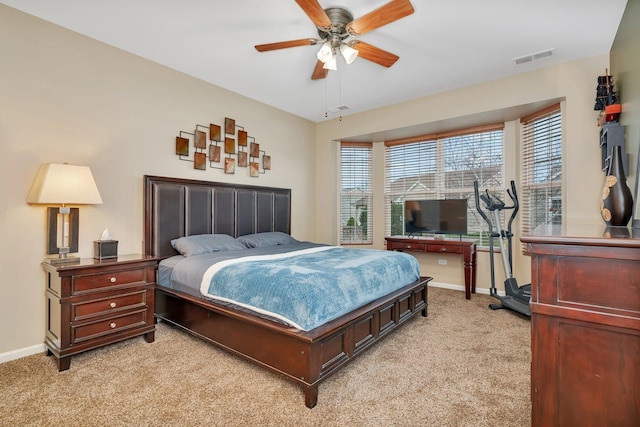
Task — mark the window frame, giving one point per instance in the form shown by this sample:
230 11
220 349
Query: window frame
541 131
477 228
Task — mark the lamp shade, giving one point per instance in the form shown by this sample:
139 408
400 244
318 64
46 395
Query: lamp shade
331 63
348 53
64 184
325 52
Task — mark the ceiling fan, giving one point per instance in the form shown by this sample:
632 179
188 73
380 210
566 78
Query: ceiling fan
335 25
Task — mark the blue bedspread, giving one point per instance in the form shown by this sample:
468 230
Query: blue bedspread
310 287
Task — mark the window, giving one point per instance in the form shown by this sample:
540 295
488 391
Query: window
356 193
541 180
443 166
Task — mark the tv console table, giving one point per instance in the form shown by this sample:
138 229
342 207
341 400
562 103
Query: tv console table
464 247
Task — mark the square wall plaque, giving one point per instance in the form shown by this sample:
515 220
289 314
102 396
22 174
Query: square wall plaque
255 149
200 140
229 165
182 146
254 169
199 161
214 153
230 146
214 132
242 138
243 159
229 126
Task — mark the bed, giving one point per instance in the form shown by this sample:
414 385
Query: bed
306 353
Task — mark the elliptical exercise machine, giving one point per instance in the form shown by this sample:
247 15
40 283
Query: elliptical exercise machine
516 297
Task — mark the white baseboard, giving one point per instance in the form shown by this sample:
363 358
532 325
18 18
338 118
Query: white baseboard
461 288
21 352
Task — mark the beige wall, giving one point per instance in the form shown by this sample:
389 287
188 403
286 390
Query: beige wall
68 98
573 82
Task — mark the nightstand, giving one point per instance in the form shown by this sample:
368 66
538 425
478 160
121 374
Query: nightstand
91 303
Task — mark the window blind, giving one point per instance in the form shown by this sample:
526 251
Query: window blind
356 186
541 169
443 166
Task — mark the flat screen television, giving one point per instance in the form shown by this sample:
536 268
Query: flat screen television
435 216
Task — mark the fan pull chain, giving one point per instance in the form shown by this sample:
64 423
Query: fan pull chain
340 89
326 109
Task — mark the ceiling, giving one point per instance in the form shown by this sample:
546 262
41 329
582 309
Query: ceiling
443 45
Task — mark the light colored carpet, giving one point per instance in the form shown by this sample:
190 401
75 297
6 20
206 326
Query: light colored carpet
463 365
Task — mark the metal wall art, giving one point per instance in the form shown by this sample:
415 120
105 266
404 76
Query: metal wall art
240 150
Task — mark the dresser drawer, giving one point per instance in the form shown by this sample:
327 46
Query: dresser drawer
93 282
108 305
399 246
86 331
586 283
449 249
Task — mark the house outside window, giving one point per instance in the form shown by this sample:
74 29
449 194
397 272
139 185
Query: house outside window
356 186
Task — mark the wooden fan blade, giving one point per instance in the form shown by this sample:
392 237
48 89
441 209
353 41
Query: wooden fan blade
317 14
374 54
383 15
319 72
284 45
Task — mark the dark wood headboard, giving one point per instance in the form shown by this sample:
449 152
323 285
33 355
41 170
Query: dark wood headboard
177 207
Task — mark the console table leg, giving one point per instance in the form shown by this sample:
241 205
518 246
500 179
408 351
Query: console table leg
467 280
474 269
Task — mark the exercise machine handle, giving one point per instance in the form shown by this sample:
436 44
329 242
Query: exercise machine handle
486 199
513 195
516 206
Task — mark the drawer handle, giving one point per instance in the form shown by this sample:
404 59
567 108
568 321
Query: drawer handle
112 279
112 325
112 305
443 249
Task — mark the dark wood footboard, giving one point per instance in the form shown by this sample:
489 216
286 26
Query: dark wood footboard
307 358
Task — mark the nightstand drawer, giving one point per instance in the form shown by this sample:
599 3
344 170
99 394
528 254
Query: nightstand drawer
95 282
111 304
449 249
113 325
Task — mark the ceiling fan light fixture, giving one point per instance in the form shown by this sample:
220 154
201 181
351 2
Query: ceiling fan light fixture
348 53
331 63
335 25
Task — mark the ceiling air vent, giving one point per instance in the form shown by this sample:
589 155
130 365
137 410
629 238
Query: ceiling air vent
533 57
338 108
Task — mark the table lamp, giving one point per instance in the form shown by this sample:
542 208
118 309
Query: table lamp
63 184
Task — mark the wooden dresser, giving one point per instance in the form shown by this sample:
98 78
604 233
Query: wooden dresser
91 303
585 326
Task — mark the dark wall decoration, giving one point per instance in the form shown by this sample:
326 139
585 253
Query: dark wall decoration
228 152
616 206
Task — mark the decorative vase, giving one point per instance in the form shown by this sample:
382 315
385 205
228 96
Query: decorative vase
617 202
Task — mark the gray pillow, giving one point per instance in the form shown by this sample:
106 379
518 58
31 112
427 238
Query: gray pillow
205 243
266 239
